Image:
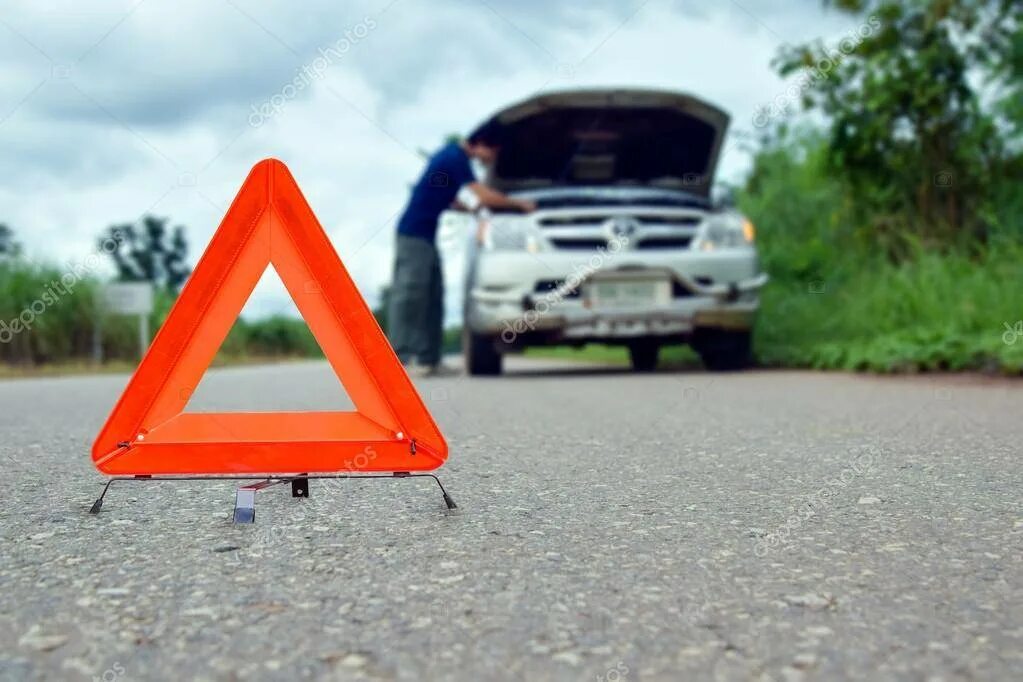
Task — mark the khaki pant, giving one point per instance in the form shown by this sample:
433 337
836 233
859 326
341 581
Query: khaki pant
415 315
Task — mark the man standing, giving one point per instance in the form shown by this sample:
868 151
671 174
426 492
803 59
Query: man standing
416 313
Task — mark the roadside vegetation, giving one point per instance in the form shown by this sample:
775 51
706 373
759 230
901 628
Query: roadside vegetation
893 230
839 299
50 315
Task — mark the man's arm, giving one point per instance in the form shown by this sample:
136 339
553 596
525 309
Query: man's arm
491 198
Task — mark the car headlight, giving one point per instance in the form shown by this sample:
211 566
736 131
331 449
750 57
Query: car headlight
726 232
507 233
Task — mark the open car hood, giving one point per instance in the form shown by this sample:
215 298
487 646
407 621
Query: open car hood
610 137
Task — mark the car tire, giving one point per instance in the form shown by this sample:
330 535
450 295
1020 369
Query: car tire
643 355
481 356
724 350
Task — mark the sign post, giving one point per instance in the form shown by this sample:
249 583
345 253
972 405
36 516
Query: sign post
130 298
150 436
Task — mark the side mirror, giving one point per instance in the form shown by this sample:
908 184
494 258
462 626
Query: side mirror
722 196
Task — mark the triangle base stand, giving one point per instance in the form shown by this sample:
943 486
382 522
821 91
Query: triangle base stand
245 498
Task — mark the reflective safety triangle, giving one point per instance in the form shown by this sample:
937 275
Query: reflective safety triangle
269 224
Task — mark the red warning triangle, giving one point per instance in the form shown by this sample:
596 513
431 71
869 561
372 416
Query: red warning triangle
269 223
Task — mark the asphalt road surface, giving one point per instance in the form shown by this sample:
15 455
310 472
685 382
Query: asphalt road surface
612 527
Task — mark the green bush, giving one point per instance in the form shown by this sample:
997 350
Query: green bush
838 300
274 337
933 312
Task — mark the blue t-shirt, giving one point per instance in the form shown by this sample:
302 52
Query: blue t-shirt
447 171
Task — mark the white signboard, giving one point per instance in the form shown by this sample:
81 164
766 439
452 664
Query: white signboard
128 298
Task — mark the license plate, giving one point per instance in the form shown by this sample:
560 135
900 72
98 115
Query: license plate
628 293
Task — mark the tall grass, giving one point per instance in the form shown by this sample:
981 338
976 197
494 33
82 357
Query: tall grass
39 324
839 300
933 312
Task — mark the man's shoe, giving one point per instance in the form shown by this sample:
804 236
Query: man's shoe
415 370
442 370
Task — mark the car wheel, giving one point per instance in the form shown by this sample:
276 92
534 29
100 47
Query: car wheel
643 355
723 350
481 357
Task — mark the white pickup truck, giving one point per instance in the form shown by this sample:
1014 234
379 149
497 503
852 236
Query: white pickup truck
626 246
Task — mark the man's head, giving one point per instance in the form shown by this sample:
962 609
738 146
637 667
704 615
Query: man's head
485 142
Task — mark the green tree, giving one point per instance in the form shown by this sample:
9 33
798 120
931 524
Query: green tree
149 252
918 147
9 247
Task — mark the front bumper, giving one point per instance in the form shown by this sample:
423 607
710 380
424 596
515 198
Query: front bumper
709 290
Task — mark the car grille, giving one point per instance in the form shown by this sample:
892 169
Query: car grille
586 229
556 221
664 243
579 244
648 244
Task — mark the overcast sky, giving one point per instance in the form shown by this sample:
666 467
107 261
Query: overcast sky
110 110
